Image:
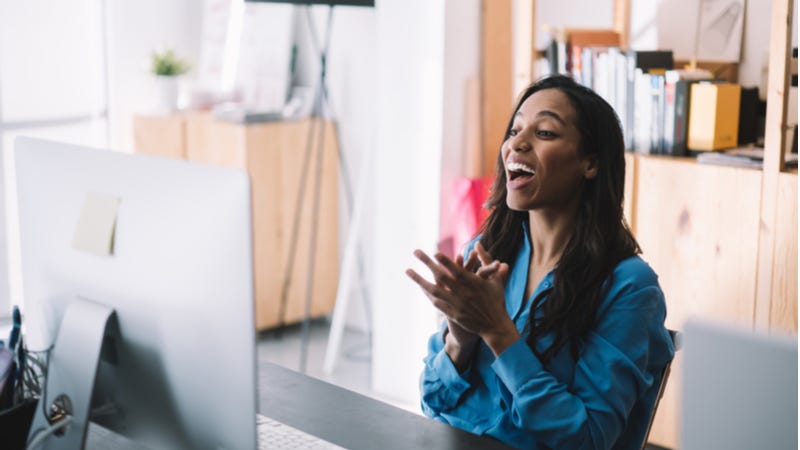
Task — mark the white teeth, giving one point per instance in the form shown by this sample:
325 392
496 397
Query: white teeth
519 167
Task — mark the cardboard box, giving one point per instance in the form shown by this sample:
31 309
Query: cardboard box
714 116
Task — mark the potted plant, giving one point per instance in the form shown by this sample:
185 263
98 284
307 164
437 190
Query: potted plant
167 67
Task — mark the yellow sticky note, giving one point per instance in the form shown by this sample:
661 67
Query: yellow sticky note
96 224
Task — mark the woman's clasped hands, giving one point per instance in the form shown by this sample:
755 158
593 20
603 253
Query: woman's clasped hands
473 301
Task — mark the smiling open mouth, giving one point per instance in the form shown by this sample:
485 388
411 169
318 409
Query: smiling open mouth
518 170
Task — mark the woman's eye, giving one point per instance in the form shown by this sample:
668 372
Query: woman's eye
512 133
545 133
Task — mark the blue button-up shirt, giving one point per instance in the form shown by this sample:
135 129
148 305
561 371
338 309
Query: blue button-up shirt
601 400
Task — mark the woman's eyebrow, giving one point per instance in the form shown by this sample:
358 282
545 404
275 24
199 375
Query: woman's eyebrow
553 114
546 113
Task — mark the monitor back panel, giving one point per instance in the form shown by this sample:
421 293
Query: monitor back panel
739 389
179 278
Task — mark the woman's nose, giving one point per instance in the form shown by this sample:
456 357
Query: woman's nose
519 145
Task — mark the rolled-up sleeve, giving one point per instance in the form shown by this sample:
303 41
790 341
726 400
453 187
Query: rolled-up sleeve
612 373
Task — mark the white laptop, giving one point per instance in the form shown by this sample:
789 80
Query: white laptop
739 389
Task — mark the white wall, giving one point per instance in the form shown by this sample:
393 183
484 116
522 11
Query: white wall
51 86
572 14
673 25
352 83
134 30
400 95
410 44
461 61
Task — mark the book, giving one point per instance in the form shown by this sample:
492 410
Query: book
748 116
644 61
587 70
600 78
236 113
576 62
713 115
619 80
563 59
552 56
657 114
581 56
742 157
676 107
641 117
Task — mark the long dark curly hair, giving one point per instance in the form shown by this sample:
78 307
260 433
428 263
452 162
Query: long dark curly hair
601 238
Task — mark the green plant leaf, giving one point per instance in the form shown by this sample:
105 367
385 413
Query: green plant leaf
167 63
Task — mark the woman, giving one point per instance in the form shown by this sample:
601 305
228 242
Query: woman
555 333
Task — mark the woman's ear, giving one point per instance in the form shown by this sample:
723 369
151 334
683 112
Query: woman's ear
590 166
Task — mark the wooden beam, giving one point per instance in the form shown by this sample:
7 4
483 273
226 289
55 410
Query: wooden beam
774 147
622 21
783 304
496 77
522 38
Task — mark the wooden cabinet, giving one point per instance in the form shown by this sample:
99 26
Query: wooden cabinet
273 154
723 240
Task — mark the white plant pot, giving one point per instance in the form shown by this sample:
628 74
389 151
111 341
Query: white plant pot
166 94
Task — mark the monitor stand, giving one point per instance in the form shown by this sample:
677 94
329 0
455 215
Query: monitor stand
71 372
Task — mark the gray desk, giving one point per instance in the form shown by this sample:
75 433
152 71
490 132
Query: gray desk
352 420
343 417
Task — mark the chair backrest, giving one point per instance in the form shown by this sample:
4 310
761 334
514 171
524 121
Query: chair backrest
676 343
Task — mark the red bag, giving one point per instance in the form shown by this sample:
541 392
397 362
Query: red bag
467 210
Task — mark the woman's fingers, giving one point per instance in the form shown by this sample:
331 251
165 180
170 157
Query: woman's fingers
456 270
502 271
427 286
483 255
489 270
435 294
441 275
460 260
472 263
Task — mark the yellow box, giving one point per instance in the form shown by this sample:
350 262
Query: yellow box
713 116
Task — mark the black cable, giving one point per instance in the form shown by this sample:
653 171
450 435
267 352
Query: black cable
42 433
43 398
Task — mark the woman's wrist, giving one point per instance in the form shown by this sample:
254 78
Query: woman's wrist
500 338
459 354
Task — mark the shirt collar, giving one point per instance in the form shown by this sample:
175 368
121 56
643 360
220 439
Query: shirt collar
515 288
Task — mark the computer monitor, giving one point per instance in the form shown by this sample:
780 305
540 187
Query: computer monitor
180 369
739 388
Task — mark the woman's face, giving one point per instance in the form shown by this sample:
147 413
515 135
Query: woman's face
541 154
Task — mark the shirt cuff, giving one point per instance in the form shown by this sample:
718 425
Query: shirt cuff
448 374
517 365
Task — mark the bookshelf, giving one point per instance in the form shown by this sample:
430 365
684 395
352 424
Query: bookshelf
723 239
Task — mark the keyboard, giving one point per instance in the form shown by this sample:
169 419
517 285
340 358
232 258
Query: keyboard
274 435
271 435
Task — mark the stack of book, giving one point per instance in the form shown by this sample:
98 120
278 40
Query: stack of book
742 157
652 98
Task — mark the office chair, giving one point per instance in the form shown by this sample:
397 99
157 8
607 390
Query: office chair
676 343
